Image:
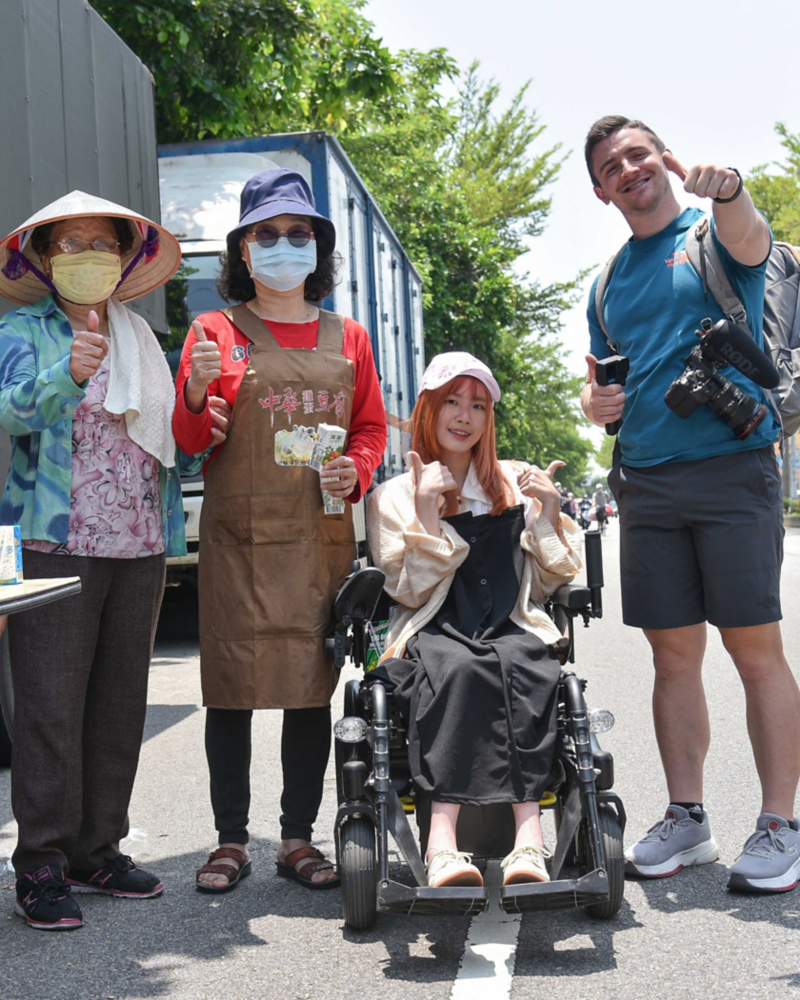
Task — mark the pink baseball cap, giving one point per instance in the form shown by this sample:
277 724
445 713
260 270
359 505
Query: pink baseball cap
450 365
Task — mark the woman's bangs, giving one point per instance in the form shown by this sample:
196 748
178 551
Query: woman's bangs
462 383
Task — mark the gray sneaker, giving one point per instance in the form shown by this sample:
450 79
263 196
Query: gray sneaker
770 859
676 842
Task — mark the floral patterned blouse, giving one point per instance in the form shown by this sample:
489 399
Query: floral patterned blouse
115 510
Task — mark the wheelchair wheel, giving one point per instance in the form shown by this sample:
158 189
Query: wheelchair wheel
359 885
611 836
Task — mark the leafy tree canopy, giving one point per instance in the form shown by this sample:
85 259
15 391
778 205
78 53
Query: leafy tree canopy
464 181
464 189
227 68
777 195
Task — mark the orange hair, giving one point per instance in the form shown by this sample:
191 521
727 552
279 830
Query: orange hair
484 453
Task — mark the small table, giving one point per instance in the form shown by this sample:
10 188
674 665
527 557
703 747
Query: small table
16 597
29 594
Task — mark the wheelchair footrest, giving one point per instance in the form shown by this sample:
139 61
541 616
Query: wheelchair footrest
396 898
590 888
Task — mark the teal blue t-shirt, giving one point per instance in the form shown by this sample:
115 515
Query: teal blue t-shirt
653 305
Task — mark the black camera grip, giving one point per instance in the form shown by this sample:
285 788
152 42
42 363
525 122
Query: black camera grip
612 371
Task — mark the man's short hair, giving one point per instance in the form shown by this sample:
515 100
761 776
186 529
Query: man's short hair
604 127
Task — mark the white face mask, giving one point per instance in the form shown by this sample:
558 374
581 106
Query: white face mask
87 277
282 267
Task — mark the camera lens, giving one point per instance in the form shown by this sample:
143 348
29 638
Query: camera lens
739 411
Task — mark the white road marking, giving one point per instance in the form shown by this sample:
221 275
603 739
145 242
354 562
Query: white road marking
487 967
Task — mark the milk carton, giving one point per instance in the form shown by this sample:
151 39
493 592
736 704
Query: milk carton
329 446
10 554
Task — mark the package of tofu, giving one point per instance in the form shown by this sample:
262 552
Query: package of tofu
329 446
10 554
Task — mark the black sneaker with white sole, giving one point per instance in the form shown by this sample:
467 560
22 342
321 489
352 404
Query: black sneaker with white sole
118 877
45 901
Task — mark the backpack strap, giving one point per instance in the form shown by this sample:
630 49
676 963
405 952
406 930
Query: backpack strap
793 250
600 293
705 259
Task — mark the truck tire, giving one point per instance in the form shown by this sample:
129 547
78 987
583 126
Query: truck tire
6 702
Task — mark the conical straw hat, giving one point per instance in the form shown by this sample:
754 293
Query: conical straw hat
151 271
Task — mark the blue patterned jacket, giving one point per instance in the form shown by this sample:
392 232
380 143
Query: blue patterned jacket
37 399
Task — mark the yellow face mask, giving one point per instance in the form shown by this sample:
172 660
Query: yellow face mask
86 278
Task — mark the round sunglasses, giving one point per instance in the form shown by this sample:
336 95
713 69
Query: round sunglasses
299 235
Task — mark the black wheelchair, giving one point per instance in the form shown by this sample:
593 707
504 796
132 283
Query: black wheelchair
376 793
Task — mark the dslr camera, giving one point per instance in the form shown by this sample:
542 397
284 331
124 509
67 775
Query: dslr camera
701 382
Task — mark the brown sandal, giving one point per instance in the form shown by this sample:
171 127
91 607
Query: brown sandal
286 868
233 875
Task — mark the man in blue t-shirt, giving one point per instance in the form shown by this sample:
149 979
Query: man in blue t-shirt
700 509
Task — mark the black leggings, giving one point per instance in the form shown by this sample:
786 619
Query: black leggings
305 748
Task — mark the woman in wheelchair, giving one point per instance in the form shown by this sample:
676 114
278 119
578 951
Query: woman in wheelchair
471 548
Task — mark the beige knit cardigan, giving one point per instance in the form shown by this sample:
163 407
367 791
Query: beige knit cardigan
420 568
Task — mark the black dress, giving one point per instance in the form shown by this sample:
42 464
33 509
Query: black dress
478 693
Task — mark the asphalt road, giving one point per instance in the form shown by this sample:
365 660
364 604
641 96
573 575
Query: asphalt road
273 940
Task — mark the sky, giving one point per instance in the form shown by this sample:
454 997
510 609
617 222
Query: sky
712 78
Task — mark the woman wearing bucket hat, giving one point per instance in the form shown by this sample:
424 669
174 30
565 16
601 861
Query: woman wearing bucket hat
471 547
271 555
87 397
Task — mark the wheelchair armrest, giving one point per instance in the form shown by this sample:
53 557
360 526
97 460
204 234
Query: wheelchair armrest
571 597
359 595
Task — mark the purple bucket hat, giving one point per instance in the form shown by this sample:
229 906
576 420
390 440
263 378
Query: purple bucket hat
282 192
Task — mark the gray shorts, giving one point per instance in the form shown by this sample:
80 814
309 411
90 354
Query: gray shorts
701 541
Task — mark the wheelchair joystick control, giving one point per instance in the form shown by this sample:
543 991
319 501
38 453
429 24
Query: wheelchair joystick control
594 570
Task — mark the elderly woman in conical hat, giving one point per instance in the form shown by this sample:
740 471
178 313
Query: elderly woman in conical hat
87 398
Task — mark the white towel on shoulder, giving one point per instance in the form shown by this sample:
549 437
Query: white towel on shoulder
140 384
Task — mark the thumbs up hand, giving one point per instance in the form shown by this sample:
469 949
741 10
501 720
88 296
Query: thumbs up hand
705 181
89 347
538 483
430 483
206 359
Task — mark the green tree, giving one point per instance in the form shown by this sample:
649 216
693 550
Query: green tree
605 452
777 195
248 67
464 182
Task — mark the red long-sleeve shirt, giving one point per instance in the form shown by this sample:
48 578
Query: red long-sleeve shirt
367 435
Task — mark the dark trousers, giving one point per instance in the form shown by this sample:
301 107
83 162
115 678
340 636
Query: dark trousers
305 748
79 668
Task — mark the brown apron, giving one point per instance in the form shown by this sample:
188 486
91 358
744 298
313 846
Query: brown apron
270 559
